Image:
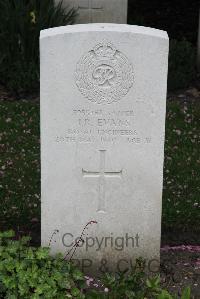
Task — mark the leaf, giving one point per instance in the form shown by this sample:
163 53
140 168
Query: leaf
186 293
164 295
77 275
7 234
75 292
42 253
153 282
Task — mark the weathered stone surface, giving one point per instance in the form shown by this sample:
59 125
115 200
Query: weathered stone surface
103 93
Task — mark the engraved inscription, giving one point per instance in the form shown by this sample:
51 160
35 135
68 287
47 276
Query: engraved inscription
99 125
102 175
104 75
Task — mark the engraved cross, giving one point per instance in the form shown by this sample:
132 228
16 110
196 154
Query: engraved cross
102 175
90 5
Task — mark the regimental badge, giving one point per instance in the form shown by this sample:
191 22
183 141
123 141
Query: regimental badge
104 75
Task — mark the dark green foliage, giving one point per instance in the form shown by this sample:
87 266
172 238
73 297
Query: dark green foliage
122 286
185 295
21 22
136 285
31 273
181 64
20 165
178 18
181 186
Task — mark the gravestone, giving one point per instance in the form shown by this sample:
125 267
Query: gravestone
99 11
103 94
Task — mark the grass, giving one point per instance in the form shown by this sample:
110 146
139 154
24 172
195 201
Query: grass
181 187
20 166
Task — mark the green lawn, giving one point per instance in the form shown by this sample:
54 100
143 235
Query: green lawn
20 166
181 194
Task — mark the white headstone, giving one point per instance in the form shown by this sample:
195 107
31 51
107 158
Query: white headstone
103 94
99 11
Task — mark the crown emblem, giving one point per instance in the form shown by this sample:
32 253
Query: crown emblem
105 50
104 75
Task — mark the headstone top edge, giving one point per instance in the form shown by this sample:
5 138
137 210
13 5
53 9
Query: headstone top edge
103 27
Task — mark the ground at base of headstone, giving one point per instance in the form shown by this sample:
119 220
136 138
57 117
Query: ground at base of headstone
180 267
